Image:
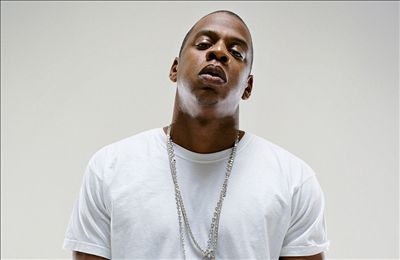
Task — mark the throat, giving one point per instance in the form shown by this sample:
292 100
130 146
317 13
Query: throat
205 142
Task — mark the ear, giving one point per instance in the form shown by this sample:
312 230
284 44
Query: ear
174 70
247 90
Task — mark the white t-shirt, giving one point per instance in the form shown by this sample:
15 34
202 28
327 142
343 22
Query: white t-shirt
126 208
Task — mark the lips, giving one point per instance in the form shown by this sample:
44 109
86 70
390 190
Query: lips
213 71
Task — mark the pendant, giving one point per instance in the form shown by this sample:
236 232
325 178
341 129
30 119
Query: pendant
209 255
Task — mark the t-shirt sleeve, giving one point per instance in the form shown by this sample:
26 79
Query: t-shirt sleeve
306 234
88 230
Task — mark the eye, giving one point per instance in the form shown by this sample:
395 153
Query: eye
237 54
203 45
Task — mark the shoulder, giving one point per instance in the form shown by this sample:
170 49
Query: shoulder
133 143
290 165
109 157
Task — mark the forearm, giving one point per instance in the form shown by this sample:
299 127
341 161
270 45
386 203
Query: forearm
83 256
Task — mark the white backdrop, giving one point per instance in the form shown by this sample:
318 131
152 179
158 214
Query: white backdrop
76 76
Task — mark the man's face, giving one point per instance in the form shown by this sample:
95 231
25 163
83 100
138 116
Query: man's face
212 73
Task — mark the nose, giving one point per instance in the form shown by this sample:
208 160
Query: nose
218 52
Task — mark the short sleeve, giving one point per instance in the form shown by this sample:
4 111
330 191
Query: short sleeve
88 230
307 233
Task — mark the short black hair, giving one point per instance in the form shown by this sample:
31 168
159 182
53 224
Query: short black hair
226 12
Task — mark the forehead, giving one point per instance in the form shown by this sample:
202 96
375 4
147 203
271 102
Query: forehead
225 25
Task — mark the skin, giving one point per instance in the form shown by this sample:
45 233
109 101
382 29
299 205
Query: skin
311 257
206 115
83 256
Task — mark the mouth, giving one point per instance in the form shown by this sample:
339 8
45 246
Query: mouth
213 74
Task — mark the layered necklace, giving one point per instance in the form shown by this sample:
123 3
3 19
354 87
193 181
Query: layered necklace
209 251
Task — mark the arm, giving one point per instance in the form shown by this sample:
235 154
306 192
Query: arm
88 232
306 237
83 256
311 257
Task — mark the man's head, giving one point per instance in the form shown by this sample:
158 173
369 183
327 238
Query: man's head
213 68
225 12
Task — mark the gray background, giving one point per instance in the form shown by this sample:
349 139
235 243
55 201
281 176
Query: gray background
77 76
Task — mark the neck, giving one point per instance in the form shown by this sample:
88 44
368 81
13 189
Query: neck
203 135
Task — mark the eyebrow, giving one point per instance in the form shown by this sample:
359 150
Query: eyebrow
214 35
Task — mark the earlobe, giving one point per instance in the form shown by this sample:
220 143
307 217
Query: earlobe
248 89
174 70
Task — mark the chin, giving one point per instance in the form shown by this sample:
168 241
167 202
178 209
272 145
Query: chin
207 99
208 103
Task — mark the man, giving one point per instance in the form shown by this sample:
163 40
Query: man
200 188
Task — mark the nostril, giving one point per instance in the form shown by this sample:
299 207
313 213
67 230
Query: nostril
217 56
211 56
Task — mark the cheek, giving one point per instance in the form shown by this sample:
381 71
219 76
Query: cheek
240 76
240 83
244 80
186 65
183 77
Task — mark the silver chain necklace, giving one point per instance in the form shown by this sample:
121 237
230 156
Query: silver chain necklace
210 251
